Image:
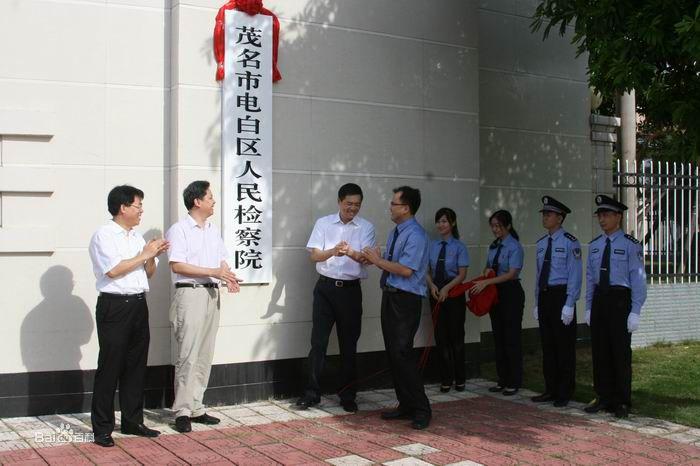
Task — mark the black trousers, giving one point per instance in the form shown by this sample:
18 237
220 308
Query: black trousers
341 307
506 324
558 344
400 316
611 346
123 334
449 339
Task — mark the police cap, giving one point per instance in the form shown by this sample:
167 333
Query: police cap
549 204
608 203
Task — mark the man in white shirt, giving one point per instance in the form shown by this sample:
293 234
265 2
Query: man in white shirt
122 262
335 246
198 262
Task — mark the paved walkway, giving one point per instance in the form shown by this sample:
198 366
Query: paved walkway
468 428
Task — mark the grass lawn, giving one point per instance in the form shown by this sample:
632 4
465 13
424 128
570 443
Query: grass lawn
665 380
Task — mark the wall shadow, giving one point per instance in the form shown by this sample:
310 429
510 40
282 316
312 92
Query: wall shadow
52 335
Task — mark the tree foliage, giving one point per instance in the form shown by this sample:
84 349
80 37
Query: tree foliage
652 46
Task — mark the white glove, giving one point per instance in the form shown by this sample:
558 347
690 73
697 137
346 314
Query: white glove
567 314
588 317
535 313
632 322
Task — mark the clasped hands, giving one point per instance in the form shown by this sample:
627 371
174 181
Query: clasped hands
156 247
228 278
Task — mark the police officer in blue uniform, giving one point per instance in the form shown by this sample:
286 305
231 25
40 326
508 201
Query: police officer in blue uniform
557 288
505 258
616 289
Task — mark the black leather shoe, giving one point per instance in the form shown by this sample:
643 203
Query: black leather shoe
510 391
395 415
622 411
205 419
595 406
496 389
420 423
183 424
305 402
561 403
349 406
445 388
104 440
460 387
543 398
140 430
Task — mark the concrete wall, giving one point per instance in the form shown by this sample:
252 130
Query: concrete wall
533 131
99 93
84 92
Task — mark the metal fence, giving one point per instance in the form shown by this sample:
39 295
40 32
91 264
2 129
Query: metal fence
663 199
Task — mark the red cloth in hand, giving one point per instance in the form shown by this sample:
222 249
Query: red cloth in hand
251 7
480 304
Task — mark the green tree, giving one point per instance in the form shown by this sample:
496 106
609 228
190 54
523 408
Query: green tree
652 46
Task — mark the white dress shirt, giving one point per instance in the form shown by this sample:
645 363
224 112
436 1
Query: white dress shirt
329 231
194 245
110 245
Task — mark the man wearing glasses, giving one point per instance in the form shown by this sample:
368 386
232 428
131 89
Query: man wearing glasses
403 283
122 262
335 246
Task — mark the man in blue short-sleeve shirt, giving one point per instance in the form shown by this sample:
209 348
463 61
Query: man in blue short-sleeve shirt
404 268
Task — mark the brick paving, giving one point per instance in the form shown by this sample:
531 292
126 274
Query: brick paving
468 428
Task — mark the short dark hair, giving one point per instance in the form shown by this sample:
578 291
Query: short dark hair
122 195
194 190
349 189
409 196
451 218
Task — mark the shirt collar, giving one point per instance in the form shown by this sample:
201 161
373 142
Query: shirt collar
557 234
615 235
448 240
339 220
118 229
193 223
402 226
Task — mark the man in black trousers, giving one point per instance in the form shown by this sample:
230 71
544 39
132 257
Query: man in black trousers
404 286
335 246
557 288
122 262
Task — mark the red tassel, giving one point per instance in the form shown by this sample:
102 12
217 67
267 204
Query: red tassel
251 7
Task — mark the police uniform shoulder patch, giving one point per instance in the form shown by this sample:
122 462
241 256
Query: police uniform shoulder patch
595 239
570 236
632 238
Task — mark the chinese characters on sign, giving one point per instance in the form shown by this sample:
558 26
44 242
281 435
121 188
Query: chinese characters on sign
247 145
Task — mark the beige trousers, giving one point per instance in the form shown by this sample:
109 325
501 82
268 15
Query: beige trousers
194 316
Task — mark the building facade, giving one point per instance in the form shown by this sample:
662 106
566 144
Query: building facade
454 97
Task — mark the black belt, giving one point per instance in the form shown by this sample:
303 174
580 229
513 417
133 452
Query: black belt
554 288
122 296
391 289
196 285
339 283
615 288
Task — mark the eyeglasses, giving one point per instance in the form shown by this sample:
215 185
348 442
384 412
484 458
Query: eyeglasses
396 203
138 206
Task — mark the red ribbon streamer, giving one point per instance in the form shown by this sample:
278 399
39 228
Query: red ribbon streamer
251 7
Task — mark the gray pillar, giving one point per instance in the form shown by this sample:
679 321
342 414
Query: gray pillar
628 143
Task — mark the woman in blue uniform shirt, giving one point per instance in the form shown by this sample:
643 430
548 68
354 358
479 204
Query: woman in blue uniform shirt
449 260
505 258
